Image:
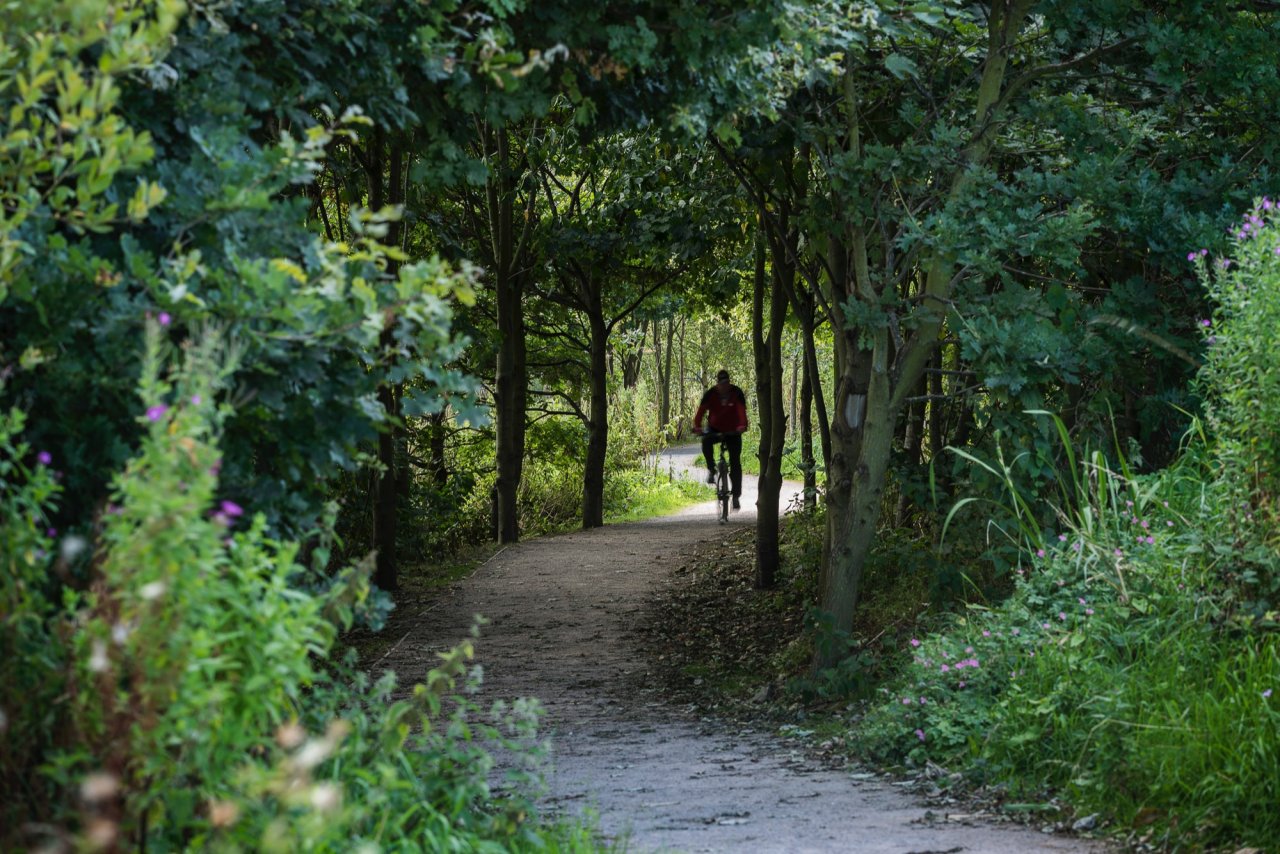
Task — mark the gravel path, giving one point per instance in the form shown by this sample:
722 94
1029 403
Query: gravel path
561 612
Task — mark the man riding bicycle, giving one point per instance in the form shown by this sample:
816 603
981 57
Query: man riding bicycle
725 406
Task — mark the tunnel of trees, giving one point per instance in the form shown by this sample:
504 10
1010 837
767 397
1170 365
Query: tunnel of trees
361 281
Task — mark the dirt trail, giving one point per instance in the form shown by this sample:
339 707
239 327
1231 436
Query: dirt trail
561 612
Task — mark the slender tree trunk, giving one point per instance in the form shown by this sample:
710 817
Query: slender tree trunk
634 359
771 405
437 447
598 415
806 437
386 484
911 448
684 401
664 413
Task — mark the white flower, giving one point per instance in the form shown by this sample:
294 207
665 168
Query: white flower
326 797
152 590
98 658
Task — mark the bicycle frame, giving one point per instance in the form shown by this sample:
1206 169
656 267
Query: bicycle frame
723 490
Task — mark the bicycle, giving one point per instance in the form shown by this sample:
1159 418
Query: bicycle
723 491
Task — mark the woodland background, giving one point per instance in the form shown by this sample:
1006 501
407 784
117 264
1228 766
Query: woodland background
296 296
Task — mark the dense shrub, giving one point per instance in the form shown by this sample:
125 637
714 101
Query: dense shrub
196 701
1134 667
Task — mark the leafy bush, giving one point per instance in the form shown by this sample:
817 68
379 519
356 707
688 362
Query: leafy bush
191 701
1240 381
1114 650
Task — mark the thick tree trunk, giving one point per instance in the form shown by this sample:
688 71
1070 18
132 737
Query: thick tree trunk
512 378
863 430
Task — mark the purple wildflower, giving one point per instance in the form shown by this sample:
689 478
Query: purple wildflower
920 734
44 458
155 413
232 509
164 318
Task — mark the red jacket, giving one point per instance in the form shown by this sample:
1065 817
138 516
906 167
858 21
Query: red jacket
725 413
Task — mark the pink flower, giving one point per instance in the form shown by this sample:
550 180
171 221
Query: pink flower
1015 631
195 400
915 642
155 413
986 634
1151 541
906 701
164 319
232 509
1080 599
1062 615
1089 611
944 669
1039 552
1266 693
1119 553
44 458
960 684
1062 538
920 734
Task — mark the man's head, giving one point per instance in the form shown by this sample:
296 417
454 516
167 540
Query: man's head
722 379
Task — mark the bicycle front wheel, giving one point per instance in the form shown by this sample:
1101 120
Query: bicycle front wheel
722 494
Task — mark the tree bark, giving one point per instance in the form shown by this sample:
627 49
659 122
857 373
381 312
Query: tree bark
598 409
874 382
387 484
512 379
772 405
806 437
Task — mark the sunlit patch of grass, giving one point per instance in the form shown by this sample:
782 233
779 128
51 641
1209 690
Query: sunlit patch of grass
634 495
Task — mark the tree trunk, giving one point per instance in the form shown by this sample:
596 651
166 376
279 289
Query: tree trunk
387 485
684 403
806 437
772 407
598 414
438 435
862 434
633 359
512 378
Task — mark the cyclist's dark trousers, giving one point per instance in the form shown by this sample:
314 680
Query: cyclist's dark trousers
732 443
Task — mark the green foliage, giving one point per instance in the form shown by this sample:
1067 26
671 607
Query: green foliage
31 650
1119 673
192 675
1241 384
